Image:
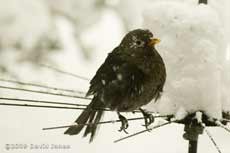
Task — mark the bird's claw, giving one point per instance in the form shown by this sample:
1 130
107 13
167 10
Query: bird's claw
148 118
124 124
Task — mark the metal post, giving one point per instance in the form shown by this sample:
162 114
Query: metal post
192 146
192 132
203 2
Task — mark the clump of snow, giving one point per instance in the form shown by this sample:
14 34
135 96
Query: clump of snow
199 117
181 114
193 48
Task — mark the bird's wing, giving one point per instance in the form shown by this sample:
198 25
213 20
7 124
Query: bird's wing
105 74
128 83
116 74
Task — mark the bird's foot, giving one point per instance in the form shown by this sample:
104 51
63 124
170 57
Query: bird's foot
148 118
124 123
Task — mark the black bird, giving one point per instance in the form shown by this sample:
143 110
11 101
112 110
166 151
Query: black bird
131 76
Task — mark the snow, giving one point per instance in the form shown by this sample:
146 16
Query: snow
19 26
194 48
103 82
82 13
119 76
199 117
181 114
30 121
225 85
130 12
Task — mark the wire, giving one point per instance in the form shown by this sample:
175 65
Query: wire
104 122
143 131
64 72
42 106
218 123
40 86
212 139
43 92
41 101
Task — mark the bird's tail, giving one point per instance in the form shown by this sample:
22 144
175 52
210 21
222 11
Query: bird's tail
90 116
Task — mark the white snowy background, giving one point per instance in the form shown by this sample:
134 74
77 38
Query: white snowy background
76 36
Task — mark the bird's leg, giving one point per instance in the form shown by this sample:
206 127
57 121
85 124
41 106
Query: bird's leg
149 118
124 123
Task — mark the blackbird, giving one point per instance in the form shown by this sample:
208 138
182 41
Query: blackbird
131 76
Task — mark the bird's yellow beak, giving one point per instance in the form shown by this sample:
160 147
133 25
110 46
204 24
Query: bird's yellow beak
154 41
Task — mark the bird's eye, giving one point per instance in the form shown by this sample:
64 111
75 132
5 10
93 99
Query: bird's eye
139 43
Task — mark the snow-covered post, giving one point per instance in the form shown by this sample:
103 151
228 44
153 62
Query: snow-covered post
193 48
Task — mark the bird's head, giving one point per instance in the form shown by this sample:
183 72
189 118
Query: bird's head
139 39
